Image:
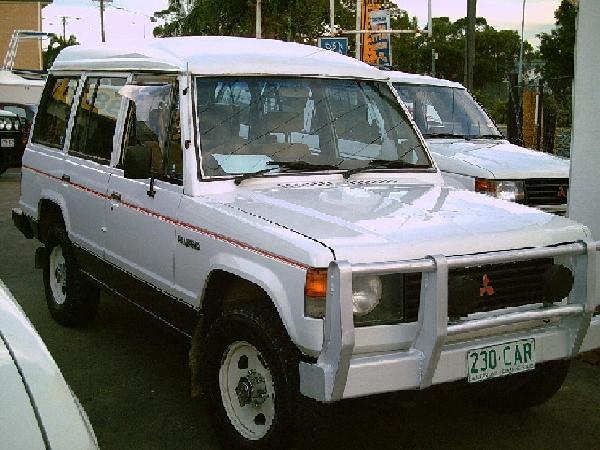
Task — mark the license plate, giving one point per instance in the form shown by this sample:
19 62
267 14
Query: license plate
7 142
500 360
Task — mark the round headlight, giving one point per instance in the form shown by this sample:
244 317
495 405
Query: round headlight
16 125
2 124
8 126
511 191
366 294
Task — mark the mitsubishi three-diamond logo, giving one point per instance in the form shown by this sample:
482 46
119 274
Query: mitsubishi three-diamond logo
487 288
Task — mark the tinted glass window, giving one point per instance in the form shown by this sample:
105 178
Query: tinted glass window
249 124
54 111
96 119
446 111
153 122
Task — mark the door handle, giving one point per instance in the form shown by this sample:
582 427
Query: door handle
65 177
115 196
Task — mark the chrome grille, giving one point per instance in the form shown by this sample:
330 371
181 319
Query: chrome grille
514 284
546 191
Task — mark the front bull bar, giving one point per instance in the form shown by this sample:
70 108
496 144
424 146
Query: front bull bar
325 380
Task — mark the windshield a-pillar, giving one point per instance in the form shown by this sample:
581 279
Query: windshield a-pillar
248 124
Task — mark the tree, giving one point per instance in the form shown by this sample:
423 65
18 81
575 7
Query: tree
56 44
557 51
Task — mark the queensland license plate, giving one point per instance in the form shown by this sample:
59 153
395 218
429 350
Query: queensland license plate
7 142
500 360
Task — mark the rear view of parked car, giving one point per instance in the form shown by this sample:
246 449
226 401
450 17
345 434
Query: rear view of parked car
38 409
473 154
12 143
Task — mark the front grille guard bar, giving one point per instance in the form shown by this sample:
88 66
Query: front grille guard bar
326 380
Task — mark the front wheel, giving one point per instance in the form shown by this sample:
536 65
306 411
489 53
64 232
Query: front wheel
72 300
251 375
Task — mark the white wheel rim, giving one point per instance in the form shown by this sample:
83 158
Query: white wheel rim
243 367
58 275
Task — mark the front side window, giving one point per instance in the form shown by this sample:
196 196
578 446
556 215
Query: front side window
96 119
249 124
54 111
445 111
153 122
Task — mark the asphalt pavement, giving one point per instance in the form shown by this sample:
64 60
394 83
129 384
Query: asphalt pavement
130 373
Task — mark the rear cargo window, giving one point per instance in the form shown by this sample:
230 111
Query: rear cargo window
54 110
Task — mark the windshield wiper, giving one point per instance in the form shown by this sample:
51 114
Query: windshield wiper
244 176
444 136
285 165
385 164
301 166
485 136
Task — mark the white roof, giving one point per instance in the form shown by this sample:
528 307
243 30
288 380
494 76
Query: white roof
215 55
411 78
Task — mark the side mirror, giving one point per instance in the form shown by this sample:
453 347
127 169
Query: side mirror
137 164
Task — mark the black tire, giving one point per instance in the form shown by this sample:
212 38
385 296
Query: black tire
525 390
3 164
262 329
72 299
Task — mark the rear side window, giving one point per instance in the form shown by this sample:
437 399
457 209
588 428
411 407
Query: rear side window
54 110
96 119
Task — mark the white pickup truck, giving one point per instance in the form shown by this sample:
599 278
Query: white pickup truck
274 202
470 151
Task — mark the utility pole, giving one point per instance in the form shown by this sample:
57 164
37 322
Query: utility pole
258 19
358 27
102 20
520 79
63 20
471 15
102 8
332 17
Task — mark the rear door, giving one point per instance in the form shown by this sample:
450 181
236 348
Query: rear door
87 165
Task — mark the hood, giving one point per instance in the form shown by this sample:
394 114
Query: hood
45 383
497 159
384 220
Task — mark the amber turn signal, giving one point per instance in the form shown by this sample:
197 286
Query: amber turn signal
484 186
316 283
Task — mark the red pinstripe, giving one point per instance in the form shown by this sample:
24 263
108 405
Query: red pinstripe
178 223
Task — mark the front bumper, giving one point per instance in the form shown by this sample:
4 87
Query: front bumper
438 352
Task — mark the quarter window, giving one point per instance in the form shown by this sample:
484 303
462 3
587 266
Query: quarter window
54 111
96 119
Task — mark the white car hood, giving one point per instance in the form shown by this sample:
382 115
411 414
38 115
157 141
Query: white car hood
495 159
56 406
364 222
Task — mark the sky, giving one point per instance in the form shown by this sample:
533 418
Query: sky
133 22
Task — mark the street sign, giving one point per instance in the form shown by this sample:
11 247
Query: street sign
335 44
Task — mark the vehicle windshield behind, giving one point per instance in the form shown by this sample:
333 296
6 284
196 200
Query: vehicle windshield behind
446 111
248 124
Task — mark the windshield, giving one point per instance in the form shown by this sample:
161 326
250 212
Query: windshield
447 111
248 124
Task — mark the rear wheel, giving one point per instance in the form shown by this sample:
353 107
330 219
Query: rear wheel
251 376
72 299
522 391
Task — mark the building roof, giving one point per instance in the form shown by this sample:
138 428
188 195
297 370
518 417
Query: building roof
215 55
411 78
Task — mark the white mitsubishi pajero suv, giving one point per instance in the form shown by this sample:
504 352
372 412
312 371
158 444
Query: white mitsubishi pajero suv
472 153
275 203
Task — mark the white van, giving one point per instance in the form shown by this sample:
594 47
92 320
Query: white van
470 151
274 202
